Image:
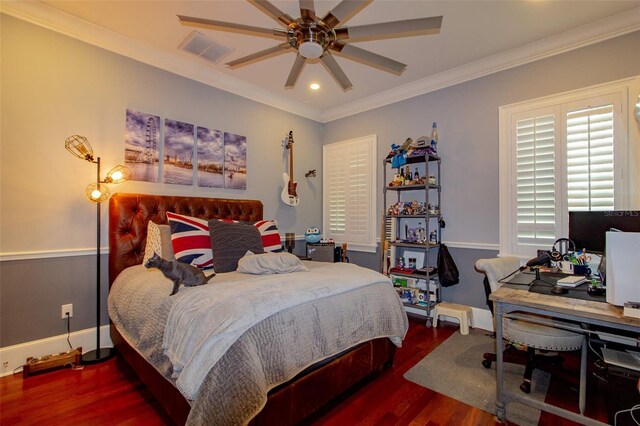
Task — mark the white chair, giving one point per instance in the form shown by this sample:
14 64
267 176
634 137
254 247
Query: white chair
531 335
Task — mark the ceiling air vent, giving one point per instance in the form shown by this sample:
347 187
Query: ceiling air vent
201 45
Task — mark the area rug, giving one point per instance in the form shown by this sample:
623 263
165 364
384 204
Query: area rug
455 369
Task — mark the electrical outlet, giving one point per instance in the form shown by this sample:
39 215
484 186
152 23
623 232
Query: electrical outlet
67 309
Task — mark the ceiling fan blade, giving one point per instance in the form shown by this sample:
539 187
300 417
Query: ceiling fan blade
386 30
263 54
307 10
344 11
296 69
232 27
366 57
336 72
273 12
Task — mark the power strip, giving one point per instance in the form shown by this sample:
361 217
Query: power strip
44 363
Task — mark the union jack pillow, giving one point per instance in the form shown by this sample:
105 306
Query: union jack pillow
190 240
270 234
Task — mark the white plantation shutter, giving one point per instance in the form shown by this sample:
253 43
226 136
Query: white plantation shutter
336 173
590 166
349 171
535 179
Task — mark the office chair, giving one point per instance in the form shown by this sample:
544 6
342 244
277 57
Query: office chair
533 336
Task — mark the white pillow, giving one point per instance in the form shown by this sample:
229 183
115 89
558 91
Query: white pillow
270 263
158 241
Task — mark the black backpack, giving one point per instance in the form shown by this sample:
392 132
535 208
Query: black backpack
447 269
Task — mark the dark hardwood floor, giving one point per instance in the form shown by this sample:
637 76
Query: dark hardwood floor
109 393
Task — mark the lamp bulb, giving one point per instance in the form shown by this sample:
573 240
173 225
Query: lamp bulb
117 175
96 194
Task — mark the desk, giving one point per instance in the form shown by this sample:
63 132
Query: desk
507 300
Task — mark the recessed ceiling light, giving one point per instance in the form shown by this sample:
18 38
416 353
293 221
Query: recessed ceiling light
314 86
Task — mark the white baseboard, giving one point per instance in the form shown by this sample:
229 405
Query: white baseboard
12 357
482 318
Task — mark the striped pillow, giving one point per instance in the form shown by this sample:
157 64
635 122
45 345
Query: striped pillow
190 240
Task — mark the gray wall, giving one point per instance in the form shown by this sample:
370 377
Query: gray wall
33 291
467 117
53 86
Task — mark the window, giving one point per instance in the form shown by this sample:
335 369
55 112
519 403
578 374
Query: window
568 152
349 196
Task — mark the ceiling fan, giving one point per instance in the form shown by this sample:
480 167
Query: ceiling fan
313 37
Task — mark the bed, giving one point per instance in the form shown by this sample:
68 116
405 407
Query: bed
280 369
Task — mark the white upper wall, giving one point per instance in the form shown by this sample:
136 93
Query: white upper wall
54 86
467 117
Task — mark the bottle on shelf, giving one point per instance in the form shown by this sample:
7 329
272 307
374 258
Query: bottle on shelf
402 174
433 237
407 176
416 175
434 138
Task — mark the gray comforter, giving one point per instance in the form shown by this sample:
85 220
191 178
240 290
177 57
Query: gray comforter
265 354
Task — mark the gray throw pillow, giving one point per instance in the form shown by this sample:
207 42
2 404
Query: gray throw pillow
230 241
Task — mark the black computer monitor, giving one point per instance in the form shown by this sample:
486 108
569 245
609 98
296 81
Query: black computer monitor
587 229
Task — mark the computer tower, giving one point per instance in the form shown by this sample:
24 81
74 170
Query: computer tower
623 267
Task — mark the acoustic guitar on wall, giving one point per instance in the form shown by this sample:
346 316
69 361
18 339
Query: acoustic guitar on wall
289 192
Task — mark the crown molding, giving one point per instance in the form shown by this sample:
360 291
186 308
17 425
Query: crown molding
594 32
46 16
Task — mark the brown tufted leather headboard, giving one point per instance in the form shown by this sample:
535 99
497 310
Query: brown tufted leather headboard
130 213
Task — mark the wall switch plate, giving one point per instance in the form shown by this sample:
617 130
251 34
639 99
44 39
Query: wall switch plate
65 309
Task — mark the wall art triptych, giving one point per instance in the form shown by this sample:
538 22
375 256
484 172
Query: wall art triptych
189 155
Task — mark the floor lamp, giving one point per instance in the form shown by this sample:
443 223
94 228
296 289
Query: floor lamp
96 192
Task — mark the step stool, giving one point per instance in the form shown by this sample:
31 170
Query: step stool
463 313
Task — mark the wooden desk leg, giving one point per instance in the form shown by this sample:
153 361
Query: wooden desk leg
501 411
583 376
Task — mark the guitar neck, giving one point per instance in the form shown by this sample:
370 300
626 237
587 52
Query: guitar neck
291 162
290 146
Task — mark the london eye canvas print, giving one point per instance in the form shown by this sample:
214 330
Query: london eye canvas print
178 152
235 161
142 134
210 158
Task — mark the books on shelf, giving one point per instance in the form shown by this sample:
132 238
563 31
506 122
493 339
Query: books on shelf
420 271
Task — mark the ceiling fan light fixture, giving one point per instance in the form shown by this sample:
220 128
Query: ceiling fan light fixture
310 50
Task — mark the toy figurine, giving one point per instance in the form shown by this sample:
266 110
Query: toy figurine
412 236
312 235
